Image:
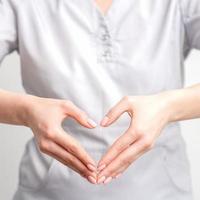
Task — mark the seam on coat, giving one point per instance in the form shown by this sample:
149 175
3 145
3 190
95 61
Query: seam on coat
183 19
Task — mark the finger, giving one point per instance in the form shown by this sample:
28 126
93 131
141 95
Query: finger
79 115
90 177
74 147
69 160
121 169
123 142
115 112
122 161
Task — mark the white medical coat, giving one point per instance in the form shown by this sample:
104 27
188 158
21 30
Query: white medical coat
69 50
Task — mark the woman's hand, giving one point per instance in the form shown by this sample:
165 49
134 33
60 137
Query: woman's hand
149 114
45 116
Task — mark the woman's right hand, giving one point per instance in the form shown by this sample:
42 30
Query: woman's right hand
45 116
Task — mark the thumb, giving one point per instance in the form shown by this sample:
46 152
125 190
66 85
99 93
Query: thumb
114 113
79 115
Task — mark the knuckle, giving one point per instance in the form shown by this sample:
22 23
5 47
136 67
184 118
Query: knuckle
73 149
122 162
151 146
70 161
147 143
136 134
110 113
66 103
139 132
128 99
51 132
132 134
44 126
84 172
119 147
43 145
126 161
81 115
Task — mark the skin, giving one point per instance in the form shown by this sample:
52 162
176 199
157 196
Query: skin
162 108
149 114
103 5
44 116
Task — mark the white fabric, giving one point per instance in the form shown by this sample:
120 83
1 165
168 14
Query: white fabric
8 35
68 50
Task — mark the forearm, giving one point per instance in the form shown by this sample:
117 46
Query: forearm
183 104
13 107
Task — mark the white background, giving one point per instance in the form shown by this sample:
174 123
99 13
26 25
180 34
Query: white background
13 138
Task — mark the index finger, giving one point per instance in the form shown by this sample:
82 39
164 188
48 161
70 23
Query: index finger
123 160
73 146
122 143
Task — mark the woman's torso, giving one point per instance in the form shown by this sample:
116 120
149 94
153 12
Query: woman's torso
69 50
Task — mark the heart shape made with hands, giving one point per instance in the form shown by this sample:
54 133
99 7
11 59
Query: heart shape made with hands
111 152
52 139
137 139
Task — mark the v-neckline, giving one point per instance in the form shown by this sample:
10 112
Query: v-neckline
99 10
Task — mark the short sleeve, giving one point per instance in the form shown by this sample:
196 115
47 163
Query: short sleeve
191 18
8 32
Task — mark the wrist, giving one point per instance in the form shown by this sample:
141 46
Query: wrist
25 108
173 104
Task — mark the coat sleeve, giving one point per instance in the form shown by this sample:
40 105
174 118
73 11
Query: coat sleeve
191 18
8 30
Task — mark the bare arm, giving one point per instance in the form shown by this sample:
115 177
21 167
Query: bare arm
149 115
13 107
44 117
184 103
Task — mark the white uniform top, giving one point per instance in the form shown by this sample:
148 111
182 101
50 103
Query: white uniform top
69 50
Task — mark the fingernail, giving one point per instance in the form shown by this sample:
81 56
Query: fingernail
118 175
107 180
91 167
101 179
102 166
104 121
92 179
92 123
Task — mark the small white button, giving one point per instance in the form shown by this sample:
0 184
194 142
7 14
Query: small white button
105 37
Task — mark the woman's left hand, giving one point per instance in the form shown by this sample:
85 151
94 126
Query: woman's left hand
149 115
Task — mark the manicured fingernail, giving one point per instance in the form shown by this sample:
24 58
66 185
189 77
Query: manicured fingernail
104 121
102 166
92 123
92 179
118 175
107 180
91 167
101 179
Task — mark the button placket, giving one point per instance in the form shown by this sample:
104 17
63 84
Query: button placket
105 42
